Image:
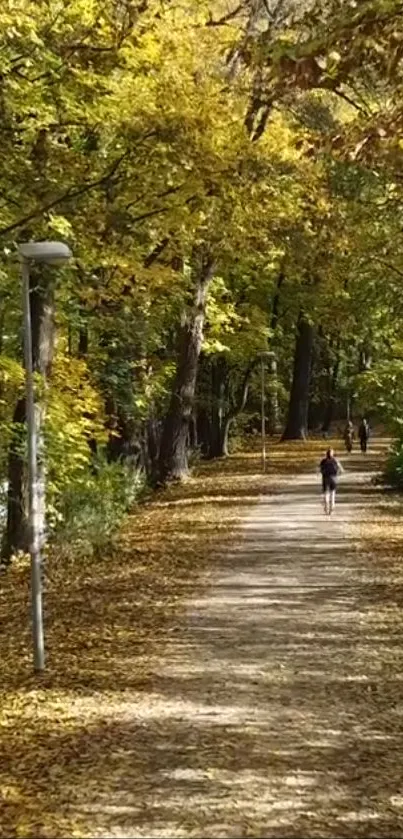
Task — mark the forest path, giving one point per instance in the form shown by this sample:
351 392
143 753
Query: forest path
277 708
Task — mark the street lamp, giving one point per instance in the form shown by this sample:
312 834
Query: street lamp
56 254
264 356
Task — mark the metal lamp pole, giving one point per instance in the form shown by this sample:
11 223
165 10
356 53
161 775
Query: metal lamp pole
33 495
51 253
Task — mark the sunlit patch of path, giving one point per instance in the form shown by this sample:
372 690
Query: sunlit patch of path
277 709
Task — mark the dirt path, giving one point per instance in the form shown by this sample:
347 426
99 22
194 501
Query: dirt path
277 709
271 707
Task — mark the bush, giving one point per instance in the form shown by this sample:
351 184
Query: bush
89 515
394 466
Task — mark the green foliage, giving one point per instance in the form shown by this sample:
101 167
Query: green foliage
380 390
90 512
139 133
74 418
394 468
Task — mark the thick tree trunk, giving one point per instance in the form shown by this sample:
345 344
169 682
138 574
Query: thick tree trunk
297 419
173 462
42 318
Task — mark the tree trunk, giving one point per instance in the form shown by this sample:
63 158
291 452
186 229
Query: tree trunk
224 437
364 360
82 350
203 431
43 345
152 446
193 439
42 318
319 380
273 407
331 401
16 533
297 419
219 379
173 462
2 319
220 438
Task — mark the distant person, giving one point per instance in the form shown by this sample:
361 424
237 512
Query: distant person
330 468
363 434
348 436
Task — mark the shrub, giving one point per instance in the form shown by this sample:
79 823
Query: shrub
89 515
394 466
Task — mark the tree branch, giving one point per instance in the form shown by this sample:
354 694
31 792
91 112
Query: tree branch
149 214
350 101
156 252
243 391
71 193
388 265
68 196
229 16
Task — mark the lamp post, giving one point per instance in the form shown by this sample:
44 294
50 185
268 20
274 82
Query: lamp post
264 356
56 254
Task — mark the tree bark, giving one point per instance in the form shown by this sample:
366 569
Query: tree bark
219 379
173 462
223 420
364 359
204 431
297 419
331 400
43 345
16 534
273 408
42 317
193 439
82 350
152 433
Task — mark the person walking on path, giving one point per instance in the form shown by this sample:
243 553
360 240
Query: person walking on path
363 433
349 436
330 469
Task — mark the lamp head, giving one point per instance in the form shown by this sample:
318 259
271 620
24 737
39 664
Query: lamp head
50 253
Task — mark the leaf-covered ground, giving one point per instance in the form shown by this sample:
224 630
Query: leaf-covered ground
141 727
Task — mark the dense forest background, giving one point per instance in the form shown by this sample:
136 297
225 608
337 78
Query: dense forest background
228 176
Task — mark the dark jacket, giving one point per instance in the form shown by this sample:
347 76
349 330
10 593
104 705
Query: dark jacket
329 467
363 431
